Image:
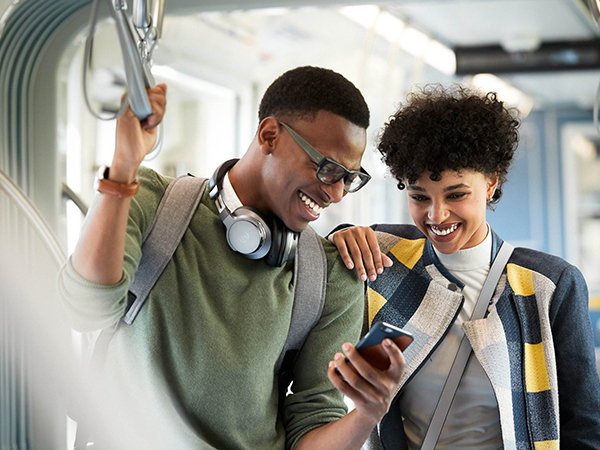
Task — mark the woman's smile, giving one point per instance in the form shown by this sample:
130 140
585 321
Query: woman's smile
443 230
451 212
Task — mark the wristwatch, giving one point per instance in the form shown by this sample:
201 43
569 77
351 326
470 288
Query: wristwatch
106 186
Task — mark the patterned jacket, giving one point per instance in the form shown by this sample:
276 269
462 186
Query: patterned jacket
535 344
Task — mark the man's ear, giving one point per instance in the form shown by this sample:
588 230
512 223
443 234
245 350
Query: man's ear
268 134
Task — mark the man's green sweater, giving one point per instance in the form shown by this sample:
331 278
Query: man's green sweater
202 350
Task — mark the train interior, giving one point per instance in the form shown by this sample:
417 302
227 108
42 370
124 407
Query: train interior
217 58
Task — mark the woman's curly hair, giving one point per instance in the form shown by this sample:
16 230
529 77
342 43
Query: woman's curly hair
450 128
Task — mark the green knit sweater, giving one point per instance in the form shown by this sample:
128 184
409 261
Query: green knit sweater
199 358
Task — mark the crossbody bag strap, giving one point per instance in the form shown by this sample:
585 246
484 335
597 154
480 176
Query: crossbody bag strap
464 351
174 213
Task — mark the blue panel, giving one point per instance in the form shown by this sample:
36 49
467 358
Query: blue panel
595 318
511 219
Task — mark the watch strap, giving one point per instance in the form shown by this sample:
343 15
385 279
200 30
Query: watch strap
122 190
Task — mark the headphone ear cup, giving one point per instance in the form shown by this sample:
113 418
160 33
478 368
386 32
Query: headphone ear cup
249 233
284 242
274 256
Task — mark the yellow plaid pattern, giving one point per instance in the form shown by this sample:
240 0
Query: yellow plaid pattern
520 279
408 252
376 302
536 373
546 445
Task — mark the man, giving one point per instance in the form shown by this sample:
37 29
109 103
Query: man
203 348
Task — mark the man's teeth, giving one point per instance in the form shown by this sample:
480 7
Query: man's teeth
443 232
316 209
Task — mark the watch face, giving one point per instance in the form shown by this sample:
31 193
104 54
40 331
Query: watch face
102 174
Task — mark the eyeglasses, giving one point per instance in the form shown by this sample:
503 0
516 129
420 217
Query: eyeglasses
328 170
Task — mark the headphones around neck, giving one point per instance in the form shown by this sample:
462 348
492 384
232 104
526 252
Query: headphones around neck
248 232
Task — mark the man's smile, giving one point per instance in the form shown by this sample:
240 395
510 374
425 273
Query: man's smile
311 205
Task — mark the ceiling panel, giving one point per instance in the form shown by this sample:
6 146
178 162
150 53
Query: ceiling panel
467 23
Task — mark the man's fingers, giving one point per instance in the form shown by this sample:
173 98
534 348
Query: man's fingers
370 372
396 359
348 381
369 383
162 87
341 384
360 365
158 102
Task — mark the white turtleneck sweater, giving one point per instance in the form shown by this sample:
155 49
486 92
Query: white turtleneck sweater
473 421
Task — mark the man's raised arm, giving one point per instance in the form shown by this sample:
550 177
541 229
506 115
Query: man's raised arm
98 256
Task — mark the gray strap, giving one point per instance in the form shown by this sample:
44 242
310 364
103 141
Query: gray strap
310 282
172 218
464 351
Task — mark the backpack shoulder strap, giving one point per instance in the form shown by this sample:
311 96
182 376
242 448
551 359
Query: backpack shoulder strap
310 282
172 218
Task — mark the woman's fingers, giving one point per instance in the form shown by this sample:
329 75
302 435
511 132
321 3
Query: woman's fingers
379 259
359 248
353 242
342 247
387 261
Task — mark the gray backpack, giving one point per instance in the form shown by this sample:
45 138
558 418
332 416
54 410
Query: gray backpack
174 213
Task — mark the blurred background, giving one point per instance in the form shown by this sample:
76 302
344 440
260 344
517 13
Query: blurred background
218 57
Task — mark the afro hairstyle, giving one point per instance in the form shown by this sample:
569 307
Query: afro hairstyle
450 128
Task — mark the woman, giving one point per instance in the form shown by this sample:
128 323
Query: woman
531 381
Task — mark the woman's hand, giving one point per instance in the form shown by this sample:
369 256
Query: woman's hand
358 247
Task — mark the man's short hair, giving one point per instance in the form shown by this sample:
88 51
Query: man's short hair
304 91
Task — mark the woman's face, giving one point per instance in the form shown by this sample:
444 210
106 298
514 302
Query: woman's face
451 211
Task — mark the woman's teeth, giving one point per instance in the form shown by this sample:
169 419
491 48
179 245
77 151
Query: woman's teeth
443 232
316 209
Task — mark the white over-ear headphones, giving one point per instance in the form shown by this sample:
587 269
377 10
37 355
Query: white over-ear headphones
248 232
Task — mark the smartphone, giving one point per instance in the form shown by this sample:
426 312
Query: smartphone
371 348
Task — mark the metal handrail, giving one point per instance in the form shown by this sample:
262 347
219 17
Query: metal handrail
33 216
70 194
